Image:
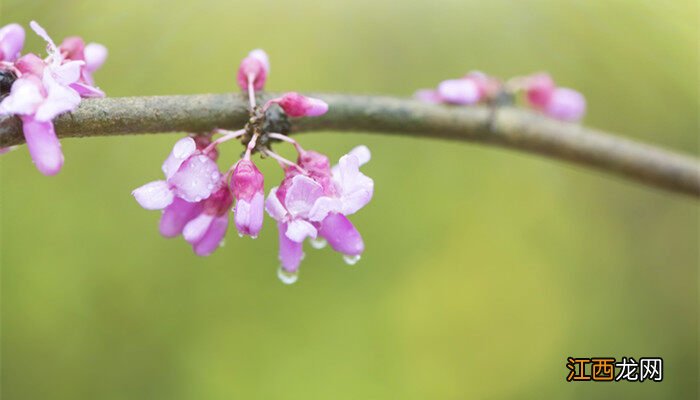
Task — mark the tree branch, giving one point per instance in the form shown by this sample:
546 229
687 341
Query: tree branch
507 127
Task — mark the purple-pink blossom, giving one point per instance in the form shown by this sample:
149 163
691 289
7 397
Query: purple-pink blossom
190 174
11 42
313 201
297 105
253 71
315 204
44 89
540 93
557 102
247 185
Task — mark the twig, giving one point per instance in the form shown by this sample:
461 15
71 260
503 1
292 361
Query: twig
507 127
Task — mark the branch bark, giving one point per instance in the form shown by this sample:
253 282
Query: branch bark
506 127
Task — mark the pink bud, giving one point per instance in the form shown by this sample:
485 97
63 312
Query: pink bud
296 105
30 64
428 96
566 104
11 42
539 89
73 48
247 185
488 86
459 91
95 56
255 68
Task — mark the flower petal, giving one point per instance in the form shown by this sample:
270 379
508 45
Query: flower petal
59 99
341 234
302 195
363 156
183 148
298 230
197 227
459 91
11 42
213 237
427 96
95 56
25 97
356 189
87 91
67 73
43 145
249 215
323 206
154 195
566 104
52 48
196 178
177 215
290 253
274 207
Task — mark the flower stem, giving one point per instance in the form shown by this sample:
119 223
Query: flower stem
228 135
283 161
287 139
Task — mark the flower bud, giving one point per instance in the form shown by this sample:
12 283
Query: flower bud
253 68
247 185
296 105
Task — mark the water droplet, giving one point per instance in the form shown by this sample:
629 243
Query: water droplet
240 235
222 243
351 260
287 277
254 237
318 243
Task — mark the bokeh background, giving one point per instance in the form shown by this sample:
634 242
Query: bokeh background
484 269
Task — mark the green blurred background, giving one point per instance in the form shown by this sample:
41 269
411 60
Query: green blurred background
484 269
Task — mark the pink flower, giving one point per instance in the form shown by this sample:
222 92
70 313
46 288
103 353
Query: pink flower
45 90
206 231
253 70
68 64
194 196
316 204
428 96
93 55
190 175
459 91
176 215
296 105
557 102
539 89
11 42
247 185
37 102
566 104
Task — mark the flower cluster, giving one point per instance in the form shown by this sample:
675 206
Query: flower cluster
38 90
540 93
313 201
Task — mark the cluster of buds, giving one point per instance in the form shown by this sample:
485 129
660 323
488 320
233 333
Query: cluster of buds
312 202
540 93
38 90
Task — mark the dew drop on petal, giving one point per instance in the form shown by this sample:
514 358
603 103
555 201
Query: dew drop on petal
287 277
318 243
351 260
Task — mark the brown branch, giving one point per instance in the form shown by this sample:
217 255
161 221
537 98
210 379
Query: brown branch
507 127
